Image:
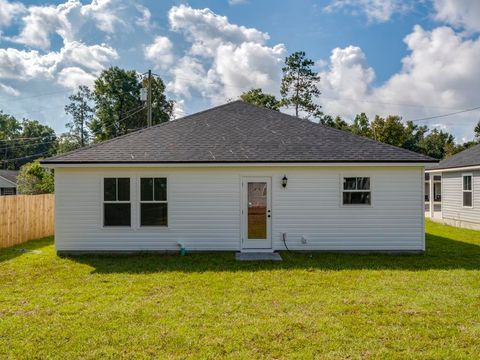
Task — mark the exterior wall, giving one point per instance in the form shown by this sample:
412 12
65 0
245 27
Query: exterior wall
6 187
204 209
453 212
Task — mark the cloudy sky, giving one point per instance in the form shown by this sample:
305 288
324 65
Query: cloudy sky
413 58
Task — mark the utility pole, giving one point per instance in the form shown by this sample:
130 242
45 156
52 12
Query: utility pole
149 99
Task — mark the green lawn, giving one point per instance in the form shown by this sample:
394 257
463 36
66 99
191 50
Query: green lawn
209 306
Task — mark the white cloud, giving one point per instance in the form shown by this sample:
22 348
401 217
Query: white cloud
464 13
189 74
223 59
93 57
72 77
207 30
9 10
27 65
375 10
179 109
349 74
160 52
9 90
144 20
441 73
237 2
41 21
249 65
24 65
71 18
105 14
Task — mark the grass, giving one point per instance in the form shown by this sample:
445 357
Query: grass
209 306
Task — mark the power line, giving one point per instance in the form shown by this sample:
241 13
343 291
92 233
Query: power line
445 115
29 138
17 146
24 157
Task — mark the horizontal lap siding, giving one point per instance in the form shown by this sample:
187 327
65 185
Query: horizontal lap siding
311 208
204 210
203 214
452 198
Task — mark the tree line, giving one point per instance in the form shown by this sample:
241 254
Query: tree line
114 107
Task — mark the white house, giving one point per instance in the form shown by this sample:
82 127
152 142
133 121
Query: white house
8 182
452 190
239 178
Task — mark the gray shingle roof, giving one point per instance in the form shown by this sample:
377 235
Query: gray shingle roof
469 157
10 175
238 132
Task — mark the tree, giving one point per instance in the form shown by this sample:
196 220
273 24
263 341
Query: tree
34 179
259 98
21 142
414 136
299 85
437 142
389 130
361 126
477 131
82 111
67 142
119 108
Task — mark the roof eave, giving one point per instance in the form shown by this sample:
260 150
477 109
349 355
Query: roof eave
53 164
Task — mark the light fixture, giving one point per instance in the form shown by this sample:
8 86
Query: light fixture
284 181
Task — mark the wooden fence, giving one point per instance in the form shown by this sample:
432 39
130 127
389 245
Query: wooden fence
25 217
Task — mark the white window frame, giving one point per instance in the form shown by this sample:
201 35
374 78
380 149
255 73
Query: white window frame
140 201
342 179
470 191
103 202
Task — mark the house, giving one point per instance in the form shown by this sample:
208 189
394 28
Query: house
452 190
8 182
243 178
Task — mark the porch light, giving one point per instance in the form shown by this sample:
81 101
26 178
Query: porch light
284 181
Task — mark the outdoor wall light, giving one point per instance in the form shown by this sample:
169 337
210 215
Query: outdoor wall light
284 181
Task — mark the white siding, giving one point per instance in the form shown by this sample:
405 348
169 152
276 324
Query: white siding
453 211
204 209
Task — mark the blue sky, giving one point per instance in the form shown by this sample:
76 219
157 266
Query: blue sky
411 58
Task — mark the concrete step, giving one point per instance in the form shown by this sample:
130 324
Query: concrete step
257 256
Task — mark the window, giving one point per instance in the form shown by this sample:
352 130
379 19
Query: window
116 202
467 188
153 202
356 191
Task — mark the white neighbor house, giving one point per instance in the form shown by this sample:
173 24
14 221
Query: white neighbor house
453 184
8 182
239 178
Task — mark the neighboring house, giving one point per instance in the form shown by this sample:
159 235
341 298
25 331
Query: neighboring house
8 182
239 177
454 186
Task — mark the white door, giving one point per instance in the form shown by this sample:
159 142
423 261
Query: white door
256 213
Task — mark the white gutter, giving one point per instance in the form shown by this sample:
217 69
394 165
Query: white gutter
244 164
464 168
